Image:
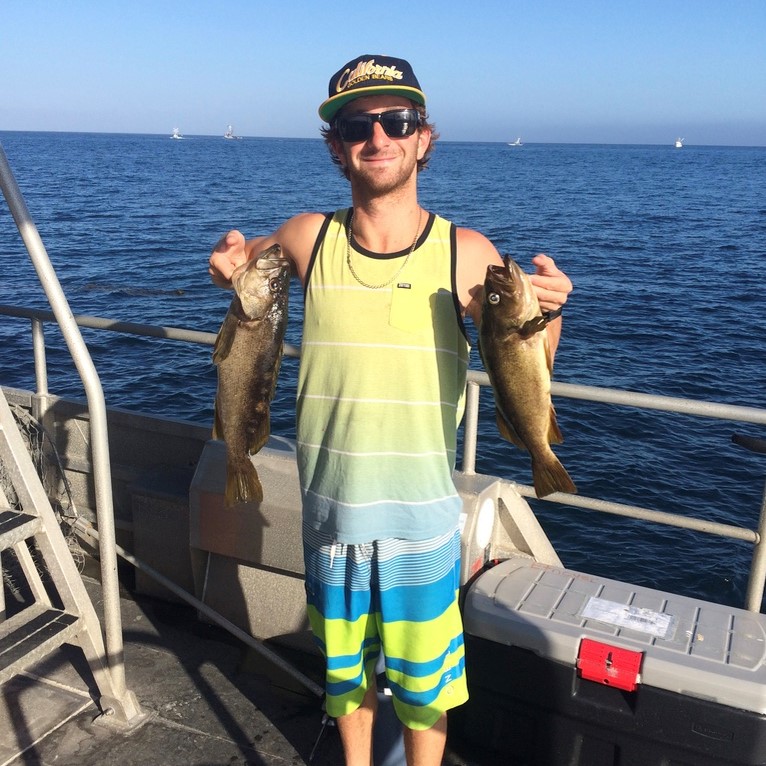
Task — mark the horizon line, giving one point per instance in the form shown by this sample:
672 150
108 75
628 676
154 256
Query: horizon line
441 140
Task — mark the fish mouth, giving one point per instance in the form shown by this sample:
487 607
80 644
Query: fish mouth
498 274
266 264
502 279
271 258
268 260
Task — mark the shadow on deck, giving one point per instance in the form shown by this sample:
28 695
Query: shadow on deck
209 701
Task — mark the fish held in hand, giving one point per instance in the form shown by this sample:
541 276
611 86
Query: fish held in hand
248 353
513 343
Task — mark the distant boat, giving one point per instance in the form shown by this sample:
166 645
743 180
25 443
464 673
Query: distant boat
176 134
680 143
229 134
517 142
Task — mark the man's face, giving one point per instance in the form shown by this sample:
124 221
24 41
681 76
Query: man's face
381 164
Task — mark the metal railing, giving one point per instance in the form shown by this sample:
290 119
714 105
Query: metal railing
113 640
476 380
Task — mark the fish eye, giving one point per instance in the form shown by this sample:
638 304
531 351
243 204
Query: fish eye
493 298
274 284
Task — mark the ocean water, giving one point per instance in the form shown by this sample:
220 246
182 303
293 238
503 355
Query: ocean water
665 248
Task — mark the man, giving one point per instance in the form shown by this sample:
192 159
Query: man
380 396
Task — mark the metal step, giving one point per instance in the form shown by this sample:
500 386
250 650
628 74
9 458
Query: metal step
31 635
16 526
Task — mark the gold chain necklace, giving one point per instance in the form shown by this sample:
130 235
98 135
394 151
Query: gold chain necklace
401 268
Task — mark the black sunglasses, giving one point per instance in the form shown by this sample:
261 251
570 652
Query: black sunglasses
397 123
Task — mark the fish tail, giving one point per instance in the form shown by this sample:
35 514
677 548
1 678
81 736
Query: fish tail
550 476
243 485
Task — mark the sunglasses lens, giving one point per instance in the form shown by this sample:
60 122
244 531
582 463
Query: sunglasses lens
399 124
353 129
396 124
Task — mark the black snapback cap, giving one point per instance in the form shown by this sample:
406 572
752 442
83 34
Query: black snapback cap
370 75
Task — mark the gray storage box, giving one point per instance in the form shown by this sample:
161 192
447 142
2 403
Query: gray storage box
568 668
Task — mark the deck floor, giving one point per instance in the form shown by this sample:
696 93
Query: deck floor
208 700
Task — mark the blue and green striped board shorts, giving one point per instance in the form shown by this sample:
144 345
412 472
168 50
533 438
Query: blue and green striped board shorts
395 596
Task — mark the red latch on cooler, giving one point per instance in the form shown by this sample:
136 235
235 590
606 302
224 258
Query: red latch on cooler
609 665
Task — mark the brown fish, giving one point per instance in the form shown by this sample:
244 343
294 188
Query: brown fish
248 352
514 348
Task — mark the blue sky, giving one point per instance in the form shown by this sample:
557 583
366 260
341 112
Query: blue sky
591 71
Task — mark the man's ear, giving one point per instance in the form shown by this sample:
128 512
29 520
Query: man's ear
337 150
424 141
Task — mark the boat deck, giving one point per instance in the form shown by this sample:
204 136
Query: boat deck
208 700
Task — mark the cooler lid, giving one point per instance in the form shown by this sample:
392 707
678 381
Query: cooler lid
689 646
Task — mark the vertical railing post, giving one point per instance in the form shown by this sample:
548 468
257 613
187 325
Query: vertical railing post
470 431
41 365
757 578
40 399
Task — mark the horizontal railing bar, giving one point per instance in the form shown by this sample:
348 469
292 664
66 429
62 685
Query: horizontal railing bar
566 390
128 328
647 401
644 514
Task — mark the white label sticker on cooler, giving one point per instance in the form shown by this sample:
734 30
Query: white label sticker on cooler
635 618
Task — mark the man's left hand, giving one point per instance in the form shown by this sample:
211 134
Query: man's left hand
551 284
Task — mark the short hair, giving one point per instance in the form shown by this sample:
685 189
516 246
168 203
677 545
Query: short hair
331 135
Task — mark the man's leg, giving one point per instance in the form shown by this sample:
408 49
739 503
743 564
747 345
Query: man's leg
425 747
422 635
355 730
346 632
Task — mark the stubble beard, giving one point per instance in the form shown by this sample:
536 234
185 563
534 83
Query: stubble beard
375 185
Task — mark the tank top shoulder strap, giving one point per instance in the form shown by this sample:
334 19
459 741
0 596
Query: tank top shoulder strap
317 244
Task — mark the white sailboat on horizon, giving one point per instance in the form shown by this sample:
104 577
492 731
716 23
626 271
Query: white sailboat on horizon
229 134
517 142
176 134
679 143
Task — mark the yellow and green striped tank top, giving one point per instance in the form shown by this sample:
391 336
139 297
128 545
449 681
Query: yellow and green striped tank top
381 388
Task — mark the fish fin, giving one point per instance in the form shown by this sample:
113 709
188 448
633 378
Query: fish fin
217 422
507 431
225 338
260 436
277 365
549 476
532 326
554 432
548 355
243 485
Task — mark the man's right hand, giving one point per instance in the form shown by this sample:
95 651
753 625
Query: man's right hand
228 253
